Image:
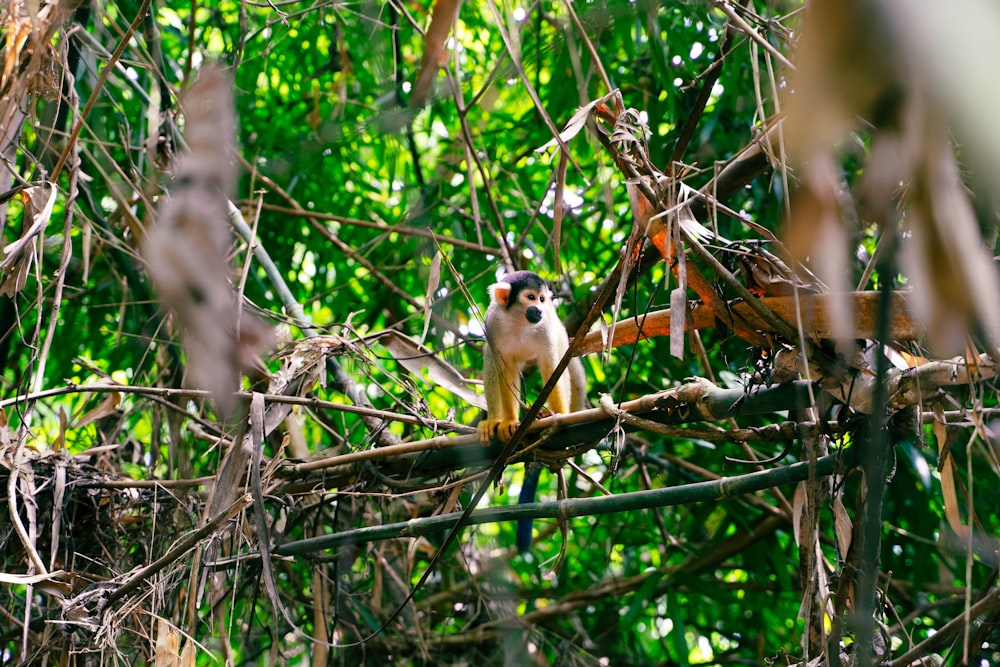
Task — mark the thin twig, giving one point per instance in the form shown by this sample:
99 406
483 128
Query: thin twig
242 396
402 230
179 549
98 87
745 27
596 58
15 517
940 638
532 93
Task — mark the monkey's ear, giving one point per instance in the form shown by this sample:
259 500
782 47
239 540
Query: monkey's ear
500 293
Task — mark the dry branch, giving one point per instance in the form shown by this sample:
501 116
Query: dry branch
178 550
816 313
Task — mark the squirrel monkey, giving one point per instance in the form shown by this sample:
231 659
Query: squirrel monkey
522 328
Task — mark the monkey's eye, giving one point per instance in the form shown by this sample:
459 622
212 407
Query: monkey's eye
531 297
542 299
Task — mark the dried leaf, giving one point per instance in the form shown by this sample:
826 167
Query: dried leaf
303 364
188 655
58 500
577 122
433 282
18 256
949 493
60 442
28 579
416 358
678 320
168 644
18 30
843 526
949 496
86 243
798 508
107 407
558 209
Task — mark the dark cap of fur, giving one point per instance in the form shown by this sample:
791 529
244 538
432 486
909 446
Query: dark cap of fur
522 280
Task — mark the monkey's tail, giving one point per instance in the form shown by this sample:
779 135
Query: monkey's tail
528 488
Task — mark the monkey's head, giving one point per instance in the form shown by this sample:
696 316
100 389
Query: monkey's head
522 289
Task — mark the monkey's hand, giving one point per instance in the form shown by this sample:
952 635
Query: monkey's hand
485 429
501 429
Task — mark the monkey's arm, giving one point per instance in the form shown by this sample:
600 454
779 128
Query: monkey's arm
561 397
502 381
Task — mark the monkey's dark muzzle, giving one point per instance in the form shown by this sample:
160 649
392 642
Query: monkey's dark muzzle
533 314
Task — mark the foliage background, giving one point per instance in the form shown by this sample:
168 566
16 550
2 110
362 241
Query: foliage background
361 201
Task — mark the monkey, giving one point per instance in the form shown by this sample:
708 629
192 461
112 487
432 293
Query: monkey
522 328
